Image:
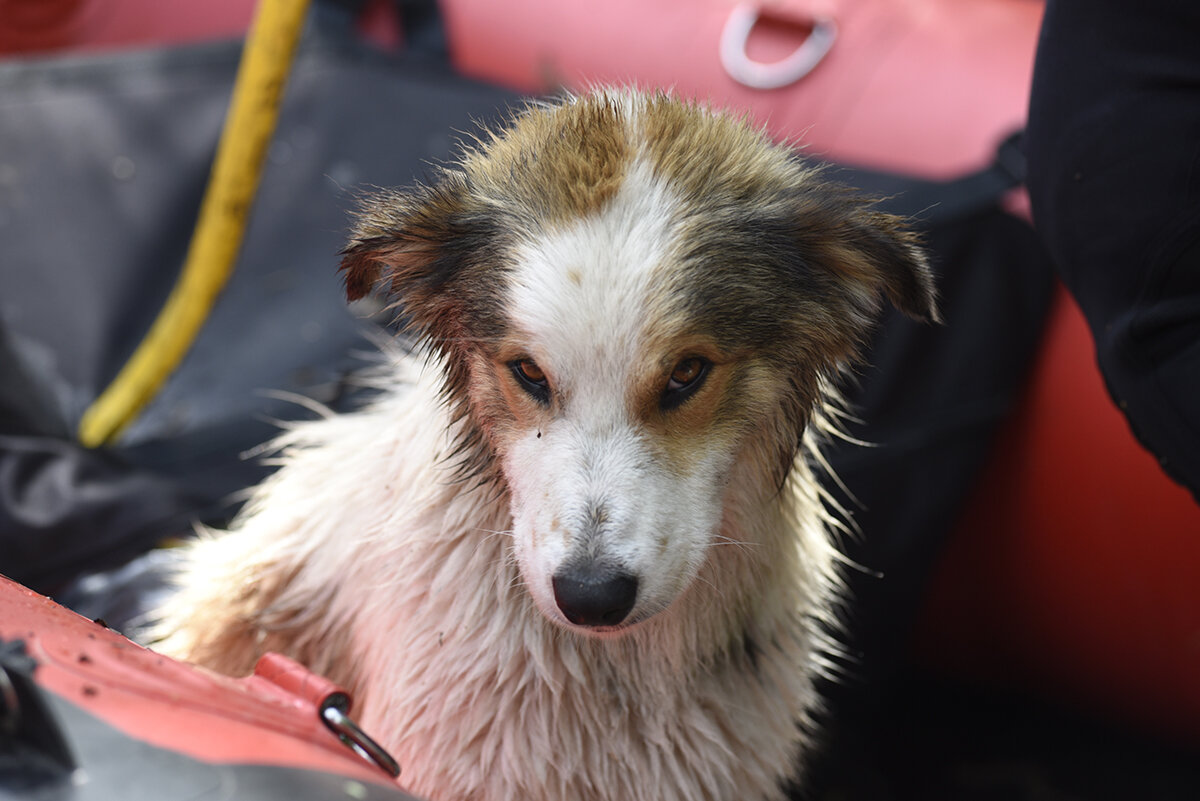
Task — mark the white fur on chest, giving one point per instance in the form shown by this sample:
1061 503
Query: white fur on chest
479 696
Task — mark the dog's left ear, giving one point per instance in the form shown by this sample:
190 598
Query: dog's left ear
876 253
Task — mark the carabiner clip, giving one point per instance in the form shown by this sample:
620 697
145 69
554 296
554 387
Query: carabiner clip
334 714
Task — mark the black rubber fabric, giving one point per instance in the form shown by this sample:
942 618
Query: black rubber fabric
105 159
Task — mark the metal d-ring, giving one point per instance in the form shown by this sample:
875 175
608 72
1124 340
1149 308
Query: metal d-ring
758 75
334 713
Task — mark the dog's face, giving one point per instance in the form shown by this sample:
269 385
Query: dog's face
638 303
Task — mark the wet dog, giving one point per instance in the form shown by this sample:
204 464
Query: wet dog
577 549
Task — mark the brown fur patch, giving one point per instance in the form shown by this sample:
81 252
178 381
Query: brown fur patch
709 156
554 164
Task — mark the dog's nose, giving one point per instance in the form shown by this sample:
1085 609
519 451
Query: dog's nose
594 596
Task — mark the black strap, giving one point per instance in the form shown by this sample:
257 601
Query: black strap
940 202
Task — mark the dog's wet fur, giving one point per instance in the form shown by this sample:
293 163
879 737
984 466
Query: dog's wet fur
576 549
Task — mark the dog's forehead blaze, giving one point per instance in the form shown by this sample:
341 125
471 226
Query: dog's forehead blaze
583 292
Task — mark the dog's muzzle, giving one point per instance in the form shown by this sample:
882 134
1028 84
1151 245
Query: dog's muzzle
594 595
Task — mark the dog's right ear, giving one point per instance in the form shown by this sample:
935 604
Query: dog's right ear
416 245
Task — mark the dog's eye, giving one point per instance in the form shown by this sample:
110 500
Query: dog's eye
685 379
531 379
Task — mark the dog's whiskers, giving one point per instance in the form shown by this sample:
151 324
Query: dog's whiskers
722 539
490 533
716 589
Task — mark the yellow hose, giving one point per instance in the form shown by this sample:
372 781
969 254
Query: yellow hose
216 242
